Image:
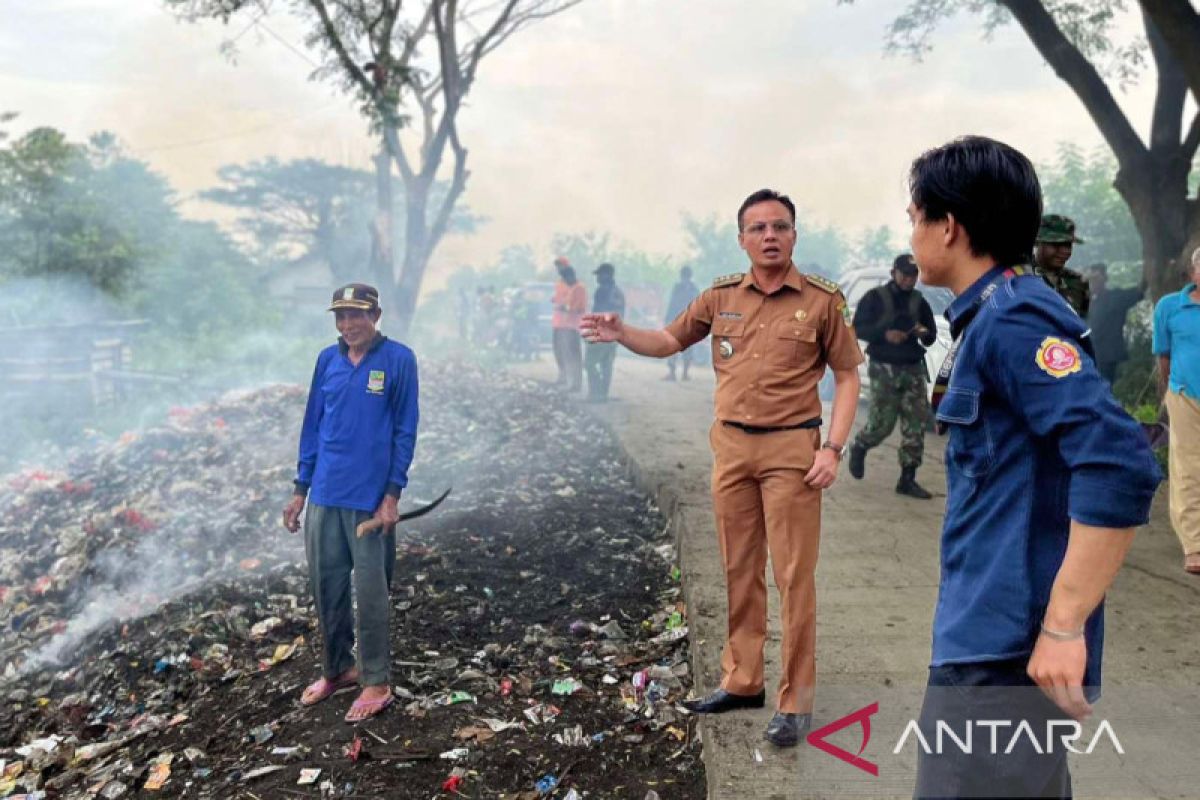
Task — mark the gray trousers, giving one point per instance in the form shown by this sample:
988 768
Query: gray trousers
334 554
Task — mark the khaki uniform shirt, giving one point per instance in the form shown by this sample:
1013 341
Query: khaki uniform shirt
770 351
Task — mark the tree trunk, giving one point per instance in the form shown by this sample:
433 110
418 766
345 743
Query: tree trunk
1162 215
382 266
416 253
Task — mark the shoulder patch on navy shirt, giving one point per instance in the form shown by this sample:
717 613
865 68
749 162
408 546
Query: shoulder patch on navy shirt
823 283
728 280
1058 358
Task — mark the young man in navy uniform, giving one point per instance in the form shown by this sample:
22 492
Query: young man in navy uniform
1047 478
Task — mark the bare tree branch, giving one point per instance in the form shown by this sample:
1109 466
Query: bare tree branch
1071 65
1166 124
334 40
1179 25
458 183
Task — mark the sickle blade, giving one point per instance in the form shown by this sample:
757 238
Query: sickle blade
423 510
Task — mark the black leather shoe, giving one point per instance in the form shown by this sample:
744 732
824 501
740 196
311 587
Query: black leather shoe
721 701
785 730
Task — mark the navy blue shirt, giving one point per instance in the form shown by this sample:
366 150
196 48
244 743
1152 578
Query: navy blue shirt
360 426
1036 440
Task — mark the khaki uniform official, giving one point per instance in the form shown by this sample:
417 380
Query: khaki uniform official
769 353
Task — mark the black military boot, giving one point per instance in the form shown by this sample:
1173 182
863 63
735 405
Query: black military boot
908 485
858 461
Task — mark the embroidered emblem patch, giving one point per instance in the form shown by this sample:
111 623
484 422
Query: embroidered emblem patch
375 381
725 348
845 309
801 315
1058 358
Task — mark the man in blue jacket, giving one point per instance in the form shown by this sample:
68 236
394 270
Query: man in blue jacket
1047 478
360 428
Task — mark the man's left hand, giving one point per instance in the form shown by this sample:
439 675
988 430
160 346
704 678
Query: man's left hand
1057 667
823 472
388 512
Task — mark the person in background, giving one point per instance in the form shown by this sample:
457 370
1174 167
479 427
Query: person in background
682 294
897 324
570 302
1177 345
356 445
599 360
1055 243
1106 315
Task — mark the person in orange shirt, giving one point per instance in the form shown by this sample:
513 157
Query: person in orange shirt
774 331
570 301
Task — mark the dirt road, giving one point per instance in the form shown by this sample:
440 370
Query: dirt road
877 583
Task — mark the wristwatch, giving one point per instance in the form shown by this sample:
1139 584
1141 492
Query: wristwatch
834 446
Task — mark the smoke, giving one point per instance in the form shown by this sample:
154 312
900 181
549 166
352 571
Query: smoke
151 517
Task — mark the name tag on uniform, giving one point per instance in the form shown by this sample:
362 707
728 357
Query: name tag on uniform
375 381
729 314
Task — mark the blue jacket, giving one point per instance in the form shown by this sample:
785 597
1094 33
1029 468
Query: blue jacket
360 426
1036 440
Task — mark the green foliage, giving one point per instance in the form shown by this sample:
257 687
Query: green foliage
89 235
297 208
587 251
1091 25
306 209
876 245
1079 184
55 218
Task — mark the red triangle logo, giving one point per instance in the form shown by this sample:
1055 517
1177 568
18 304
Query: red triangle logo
862 717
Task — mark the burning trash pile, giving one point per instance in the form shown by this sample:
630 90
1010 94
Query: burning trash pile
156 626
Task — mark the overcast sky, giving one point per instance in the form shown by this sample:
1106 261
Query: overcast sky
620 115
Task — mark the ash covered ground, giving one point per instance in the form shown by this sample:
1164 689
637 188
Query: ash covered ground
156 627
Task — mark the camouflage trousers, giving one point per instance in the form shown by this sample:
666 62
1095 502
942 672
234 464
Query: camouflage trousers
897 391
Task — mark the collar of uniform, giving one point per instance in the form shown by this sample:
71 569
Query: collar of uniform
965 301
1185 295
376 343
792 280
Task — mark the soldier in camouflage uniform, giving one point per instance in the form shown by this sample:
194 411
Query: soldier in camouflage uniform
1052 250
897 324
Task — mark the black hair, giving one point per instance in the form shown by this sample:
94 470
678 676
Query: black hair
763 196
990 188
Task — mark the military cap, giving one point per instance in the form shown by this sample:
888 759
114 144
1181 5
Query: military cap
905 263
1057 229
355 295
604 269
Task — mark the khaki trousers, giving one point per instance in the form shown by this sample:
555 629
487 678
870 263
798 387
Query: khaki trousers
1185 469
762 503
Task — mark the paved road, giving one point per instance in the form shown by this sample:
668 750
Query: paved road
877 582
